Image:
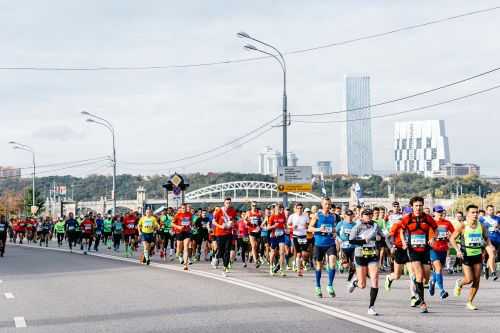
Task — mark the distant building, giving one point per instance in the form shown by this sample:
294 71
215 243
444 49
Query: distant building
325 167
421 147
458 170
270 160
358 126
10 172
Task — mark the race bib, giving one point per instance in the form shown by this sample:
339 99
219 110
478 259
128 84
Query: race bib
255 220
2 227
98 232
346 244
302 241
71 228
442 233
475 240
417 240
88 227
148 223
186 222
278 232
328 229
132 226
368 251
347 232
245 239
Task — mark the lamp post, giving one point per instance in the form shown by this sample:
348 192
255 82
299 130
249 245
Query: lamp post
281 60
103 122
20 146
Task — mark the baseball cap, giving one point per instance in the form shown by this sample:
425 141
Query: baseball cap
307 210
367 211
408 210
438 209
349 212
395 203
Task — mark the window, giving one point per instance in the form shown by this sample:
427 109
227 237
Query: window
412 166
433 153
419 143
396 155
397 144
428 142
410 143
403 144
429 165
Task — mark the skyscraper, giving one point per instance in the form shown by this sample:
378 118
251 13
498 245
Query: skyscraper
270 160
358 126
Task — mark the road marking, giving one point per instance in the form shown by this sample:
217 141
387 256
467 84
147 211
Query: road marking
313 305
9 295
20 322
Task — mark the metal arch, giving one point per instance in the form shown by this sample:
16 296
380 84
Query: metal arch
244 185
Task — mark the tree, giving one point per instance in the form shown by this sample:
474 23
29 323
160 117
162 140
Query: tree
463 201
11 203
28 201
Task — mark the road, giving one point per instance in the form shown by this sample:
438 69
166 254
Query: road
57 291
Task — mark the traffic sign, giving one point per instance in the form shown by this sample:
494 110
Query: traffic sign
295 179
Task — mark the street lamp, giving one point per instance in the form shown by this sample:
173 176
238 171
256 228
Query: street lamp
281 60
20 146
103 122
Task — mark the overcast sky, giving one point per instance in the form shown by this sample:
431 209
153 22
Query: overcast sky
162 115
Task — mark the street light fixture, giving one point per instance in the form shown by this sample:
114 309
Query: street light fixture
281 60
110 127
20 146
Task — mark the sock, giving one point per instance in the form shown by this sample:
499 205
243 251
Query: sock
318 278
331 276
373 296
351 274
433 277
413 287
439 280
146 254
420 290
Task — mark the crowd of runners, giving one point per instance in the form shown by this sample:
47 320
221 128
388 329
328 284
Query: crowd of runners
422 242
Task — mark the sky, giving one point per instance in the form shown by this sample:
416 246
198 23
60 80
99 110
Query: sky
170 114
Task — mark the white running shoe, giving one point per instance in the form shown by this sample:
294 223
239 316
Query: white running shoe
372 312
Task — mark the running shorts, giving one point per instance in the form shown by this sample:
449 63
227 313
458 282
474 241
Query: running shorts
421 256
274 242
439 256
148 237
319 252
182 236
300 243
365 261
473 260
401 256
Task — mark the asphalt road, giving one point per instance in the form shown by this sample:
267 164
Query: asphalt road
58 291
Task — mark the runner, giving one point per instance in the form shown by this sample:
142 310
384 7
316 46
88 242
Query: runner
322 225
129 232
46 227
196 238
99 229
224 219
59 231
491 222
276 227
416 226
204 231
71 233
4 226
166 228
254 222
117 228
439 250
87 228
364 236
147 226
107 231
343 231
182 226
299 222
473 236
243 238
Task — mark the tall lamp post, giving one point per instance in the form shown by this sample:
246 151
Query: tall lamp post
103 122
20 146
281 60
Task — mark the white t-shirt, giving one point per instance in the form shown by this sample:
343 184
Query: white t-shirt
299 223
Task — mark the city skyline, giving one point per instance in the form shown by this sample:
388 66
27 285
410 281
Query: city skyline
150 109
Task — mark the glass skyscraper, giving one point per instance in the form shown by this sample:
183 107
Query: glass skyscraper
358 126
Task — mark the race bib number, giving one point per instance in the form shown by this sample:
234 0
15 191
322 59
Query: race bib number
245 239
255 220
278 232
417 240
70 228
442 233
98 233
88 227
347 232
302 241
368 251
346 244
475 240
186 222
328 229
2 228
132 226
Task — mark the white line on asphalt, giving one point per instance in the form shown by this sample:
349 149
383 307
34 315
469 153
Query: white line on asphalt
329 310
20 322
1 281
9 295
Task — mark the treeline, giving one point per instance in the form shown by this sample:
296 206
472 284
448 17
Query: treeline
95 186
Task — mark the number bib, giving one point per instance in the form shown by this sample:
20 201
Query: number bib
186 222
302 240
442 233
474 240
70 228
255 220
418 240
2 227
278 232
328 229
346 244
245 239
369 249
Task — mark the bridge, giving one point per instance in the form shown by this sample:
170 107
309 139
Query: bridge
239 191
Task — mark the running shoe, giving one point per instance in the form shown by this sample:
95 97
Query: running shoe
331 291
458 288
300 273
372 312
494 275
282 273
413 301
432 287
444 294
185 267
352 286
388 283
318 292
471 306
423 308
257 264
148 261
245 265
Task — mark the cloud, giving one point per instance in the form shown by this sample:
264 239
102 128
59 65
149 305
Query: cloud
60 133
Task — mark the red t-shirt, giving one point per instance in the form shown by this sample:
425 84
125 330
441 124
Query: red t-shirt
442 235
221 217
418 229
394 232
242 229
87 226
129 225
280 221
184 220
254 220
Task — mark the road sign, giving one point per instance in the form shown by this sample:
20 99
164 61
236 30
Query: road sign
295 179
34 209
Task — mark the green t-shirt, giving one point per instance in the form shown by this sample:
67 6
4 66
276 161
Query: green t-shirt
381 224
59 227
166 222
108 224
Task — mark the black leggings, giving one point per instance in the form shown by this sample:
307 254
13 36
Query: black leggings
244 248
116 241
60 237
166 237
224 248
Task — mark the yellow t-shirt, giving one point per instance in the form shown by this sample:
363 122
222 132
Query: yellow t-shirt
148 224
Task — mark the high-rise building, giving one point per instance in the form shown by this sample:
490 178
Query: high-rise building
325 168
452 170
10 172
270 160
421 147
358 126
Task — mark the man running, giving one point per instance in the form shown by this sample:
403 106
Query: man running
224 218
4 226
254 222
46 227
99 229
417 226
492 224
439 250
147 226
71 233
59 231
343 230
129 232
322 225
299 222
182 225
107 231
473 236
117 228
87 228
276 226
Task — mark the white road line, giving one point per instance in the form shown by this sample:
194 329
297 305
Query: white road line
20 322
326 309
1 281
9 295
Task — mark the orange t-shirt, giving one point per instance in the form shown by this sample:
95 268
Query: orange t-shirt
221 217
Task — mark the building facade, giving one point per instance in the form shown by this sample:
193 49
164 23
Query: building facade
9 172
270 160
459 170
358 126
421 147
325 168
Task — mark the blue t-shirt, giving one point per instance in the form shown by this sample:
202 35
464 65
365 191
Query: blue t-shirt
343 230
324 239
491 223
71 225
99 223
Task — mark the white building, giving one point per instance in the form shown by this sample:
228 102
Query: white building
421 147
325 168
358 126
270 160
10 172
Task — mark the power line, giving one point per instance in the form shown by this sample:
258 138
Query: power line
234 141
241 60
63 163
405 111
448 85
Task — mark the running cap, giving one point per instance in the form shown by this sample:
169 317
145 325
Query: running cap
438 209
